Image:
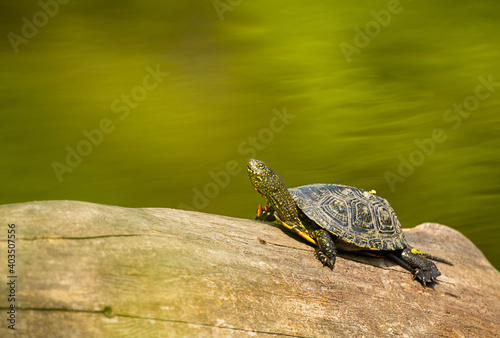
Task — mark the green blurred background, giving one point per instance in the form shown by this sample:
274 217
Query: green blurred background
232 70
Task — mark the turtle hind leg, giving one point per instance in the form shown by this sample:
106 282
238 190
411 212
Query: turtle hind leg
325 251
424 270
398 260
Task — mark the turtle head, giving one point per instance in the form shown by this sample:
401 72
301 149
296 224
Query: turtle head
271 186
264 180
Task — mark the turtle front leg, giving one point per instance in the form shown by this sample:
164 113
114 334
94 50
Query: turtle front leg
425 270
265 213
325 251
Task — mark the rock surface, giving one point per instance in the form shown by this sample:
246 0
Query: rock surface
88 270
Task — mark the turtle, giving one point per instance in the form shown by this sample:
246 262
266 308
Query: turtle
335 216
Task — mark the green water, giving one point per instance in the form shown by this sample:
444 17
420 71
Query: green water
160 104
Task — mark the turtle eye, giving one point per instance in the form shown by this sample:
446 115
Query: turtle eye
260 165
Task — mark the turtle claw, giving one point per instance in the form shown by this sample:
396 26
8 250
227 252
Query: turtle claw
325 251
265 214
424 270
426 275
329 262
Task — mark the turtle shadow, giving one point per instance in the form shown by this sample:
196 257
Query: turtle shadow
375 259
364 257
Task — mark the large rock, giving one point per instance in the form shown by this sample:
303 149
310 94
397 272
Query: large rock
85 269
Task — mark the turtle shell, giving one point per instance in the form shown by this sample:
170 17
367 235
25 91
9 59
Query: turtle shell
354 215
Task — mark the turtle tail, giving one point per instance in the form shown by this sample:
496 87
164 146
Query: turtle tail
428 256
